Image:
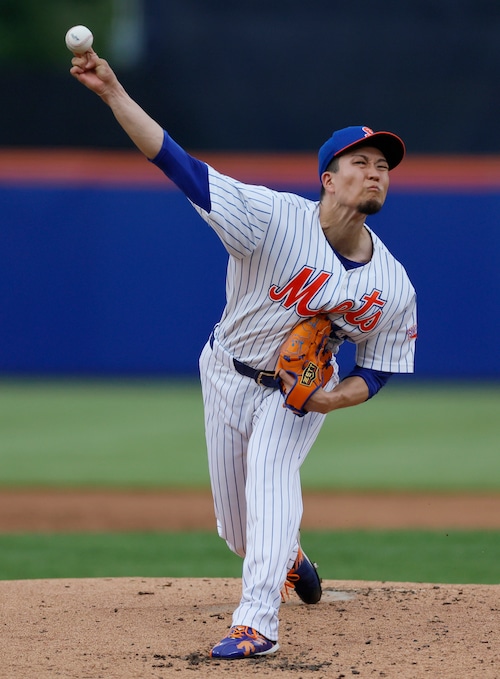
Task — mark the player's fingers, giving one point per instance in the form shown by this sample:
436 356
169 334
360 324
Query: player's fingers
287 380
79 61
92 59
87 61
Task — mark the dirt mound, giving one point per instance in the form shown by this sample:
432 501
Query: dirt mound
158 628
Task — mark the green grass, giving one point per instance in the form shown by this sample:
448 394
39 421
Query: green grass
435 437
109 433
404 556
150 434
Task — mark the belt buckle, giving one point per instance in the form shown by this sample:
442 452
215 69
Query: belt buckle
261 375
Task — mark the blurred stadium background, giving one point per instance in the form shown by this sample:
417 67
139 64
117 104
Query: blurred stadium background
99 257
106 271
260 75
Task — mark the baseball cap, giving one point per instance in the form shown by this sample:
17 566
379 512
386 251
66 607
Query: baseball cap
347 138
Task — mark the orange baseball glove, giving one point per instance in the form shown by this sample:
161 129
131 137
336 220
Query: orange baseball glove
306 356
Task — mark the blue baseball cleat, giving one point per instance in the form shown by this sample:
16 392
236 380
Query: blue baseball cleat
243 642
304 579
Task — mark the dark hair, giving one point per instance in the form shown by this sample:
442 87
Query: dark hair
333 166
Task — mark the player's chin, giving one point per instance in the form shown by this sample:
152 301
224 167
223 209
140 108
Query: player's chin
370 206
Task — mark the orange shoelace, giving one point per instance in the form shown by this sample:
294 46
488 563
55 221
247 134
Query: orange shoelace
291 578
288 587
240 631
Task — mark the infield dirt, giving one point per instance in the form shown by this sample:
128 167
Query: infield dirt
157 628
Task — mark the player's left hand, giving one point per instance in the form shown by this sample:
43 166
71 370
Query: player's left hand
317 403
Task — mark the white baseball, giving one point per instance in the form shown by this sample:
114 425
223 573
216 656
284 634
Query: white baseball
79 39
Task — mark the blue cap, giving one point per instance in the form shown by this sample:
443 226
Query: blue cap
390 144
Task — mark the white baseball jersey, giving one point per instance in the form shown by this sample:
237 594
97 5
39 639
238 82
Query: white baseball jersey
282 269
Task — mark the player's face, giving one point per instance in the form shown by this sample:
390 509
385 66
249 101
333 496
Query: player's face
362 180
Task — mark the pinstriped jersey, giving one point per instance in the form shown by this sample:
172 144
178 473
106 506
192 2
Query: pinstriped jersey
282 269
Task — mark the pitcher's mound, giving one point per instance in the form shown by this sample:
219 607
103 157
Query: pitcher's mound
154 628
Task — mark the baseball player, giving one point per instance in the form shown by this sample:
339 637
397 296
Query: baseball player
290 259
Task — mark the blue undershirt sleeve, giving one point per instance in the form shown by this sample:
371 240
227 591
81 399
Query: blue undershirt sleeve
188 173
375 379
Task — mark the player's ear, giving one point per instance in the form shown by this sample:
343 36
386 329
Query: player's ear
328 181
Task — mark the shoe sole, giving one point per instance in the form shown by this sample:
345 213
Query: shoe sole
273 649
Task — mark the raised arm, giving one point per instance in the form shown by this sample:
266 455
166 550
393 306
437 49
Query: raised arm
96 74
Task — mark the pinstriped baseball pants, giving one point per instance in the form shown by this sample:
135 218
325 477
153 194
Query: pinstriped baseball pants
255 451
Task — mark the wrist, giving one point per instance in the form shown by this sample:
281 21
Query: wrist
335 399
322 402
114 95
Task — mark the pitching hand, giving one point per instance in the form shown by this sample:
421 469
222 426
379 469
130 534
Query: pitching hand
93 72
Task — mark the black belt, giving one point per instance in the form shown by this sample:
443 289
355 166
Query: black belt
264 378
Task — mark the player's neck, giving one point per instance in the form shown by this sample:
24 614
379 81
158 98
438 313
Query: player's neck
347 234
